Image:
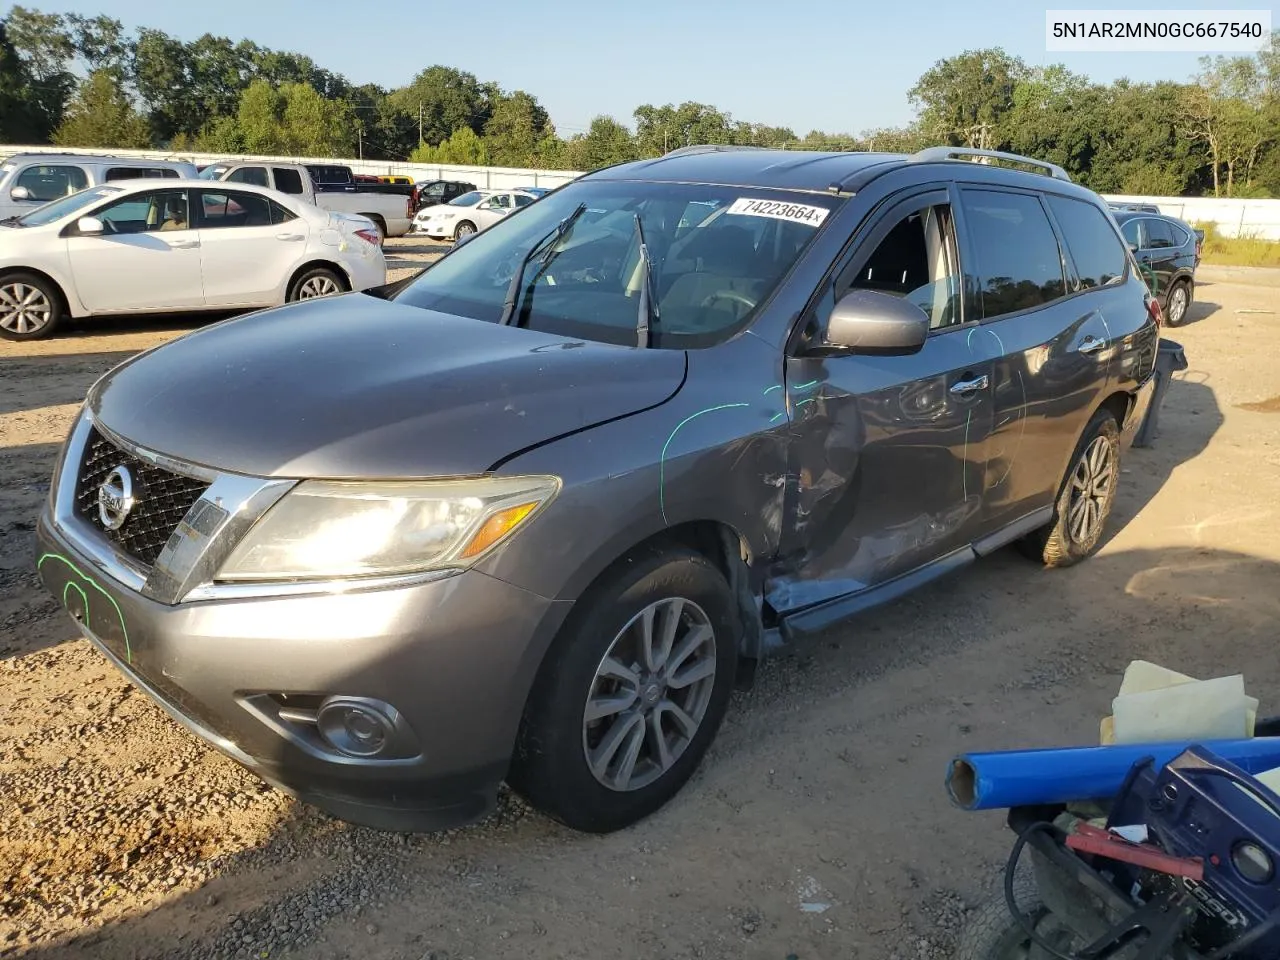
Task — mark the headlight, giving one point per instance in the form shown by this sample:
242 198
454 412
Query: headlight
325 529
446 216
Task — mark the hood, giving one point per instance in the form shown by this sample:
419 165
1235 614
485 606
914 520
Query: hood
354 386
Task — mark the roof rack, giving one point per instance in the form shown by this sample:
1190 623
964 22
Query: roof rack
707 148
935 154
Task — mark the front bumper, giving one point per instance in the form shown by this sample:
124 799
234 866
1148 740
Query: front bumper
454 656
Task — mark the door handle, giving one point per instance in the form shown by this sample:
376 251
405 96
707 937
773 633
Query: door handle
289 236
1092 344
183 244
964 388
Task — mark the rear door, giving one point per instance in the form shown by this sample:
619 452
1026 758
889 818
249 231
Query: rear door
1158 255
147 258
249 247
1054 350
889 452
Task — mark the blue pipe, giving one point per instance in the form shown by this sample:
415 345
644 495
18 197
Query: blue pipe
1018 778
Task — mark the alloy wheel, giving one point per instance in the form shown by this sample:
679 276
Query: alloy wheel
649 694
320 286
1177 304
24 309
1092 482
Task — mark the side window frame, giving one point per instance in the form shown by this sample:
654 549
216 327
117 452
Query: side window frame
233 196
1064 248
969 253
84 175
150 196
863 243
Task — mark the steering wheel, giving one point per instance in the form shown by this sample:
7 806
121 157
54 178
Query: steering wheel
734 295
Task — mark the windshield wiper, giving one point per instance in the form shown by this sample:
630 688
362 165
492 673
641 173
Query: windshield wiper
647 316
548 242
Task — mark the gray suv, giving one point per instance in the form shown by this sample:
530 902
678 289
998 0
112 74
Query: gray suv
534 514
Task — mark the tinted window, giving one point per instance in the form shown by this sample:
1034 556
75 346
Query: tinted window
707 281
916 260
522 200
140 173
1017 264
1180 234
254 175
467 199
1094 247
1130 230
147 213
279 214
1159 235
219 210
50 182
288 181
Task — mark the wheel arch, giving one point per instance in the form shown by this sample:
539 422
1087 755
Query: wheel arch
314 264
68 307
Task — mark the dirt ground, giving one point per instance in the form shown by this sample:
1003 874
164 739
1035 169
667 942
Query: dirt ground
818 826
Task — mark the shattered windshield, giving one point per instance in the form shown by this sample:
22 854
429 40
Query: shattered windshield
715 254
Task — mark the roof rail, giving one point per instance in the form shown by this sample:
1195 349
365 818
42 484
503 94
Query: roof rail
707 148
934 154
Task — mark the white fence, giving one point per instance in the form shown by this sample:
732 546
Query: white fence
1233 218
1254 218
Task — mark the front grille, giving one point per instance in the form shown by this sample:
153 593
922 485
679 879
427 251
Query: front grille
162 498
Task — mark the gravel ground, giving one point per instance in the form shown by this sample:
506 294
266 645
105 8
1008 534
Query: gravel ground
817 827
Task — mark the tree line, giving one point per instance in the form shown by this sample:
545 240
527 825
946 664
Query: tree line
72 80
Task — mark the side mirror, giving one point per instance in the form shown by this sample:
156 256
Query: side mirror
868 321
20 193
89 227
465 238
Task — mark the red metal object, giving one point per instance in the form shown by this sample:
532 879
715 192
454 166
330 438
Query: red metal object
1090 839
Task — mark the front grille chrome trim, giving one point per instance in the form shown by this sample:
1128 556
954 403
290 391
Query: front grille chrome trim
200 541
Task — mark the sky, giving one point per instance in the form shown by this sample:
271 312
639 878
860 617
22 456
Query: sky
811 64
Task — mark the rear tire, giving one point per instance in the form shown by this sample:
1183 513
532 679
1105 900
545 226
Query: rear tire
1085 498
315 283
465 228
30 307
653 715
1178 304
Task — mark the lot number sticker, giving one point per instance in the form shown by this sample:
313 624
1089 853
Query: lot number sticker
778 210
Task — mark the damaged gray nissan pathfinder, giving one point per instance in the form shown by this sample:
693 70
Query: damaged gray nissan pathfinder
533 515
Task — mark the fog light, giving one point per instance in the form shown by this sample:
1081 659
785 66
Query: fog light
358 728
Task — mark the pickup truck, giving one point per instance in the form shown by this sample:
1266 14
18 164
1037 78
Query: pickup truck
391 214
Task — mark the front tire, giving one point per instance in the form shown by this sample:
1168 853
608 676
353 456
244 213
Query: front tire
30 307
631 693
1085 498
1179 304
315 283
464 229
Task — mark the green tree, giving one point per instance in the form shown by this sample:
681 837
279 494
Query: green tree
100 115
101 44
20 116
605 143
162 72
44 46
463 148
516 127
443 100
963 100
293 120
661 129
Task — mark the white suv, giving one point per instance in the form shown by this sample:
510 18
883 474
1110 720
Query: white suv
28 180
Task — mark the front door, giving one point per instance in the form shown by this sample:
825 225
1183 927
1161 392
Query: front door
146 258
492 210
888 452
248 248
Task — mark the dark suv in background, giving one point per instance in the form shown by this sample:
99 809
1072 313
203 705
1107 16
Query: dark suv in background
533 514
429 193
1168 253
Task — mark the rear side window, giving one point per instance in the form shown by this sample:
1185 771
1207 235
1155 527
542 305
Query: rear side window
279 214
52 181
288 181
1159 234
1180 235
220 210
1096 250
254 175
140 173
1016 261
1131 233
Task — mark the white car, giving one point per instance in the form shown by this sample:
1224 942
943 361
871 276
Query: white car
469 213
140 247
